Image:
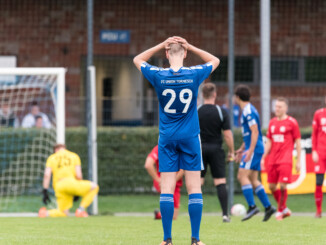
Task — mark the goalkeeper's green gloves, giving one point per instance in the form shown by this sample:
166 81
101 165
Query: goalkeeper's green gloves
46 197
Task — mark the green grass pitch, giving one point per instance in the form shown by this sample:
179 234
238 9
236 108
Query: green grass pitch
145 230
116 230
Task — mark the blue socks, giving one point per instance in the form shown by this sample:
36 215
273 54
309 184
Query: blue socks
260 192
248 194
167 211
195 209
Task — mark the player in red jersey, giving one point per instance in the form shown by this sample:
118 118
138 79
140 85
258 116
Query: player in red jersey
151 166
283 132
319 155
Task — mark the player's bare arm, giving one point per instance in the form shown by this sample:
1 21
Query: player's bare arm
47 178
315 156
205 56
228 137
46 183
267 149
150 168
254 138
147 54
298 148
238 153
79 173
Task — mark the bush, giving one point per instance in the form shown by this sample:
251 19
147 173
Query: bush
121 156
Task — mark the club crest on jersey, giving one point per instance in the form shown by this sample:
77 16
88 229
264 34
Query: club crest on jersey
323 121
317 168
282 129
273 129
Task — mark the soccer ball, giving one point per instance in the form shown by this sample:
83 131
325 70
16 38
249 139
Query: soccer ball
238 210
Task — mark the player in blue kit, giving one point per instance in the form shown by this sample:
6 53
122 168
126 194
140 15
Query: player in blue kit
179 144
250 154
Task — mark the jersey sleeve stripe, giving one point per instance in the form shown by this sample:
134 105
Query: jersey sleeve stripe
252 122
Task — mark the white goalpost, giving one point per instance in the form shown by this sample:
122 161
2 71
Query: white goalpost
25 143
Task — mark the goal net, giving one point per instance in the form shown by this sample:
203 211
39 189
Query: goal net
31 121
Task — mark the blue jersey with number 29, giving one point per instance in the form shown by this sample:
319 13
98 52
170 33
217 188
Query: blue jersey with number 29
177 94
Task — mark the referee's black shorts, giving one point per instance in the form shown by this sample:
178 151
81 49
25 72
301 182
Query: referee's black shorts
213 156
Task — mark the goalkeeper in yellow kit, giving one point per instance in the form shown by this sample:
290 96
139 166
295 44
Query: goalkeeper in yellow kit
67 183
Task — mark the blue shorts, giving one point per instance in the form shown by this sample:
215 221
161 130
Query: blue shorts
184 154
253 163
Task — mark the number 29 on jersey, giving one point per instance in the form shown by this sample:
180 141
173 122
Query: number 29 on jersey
181 96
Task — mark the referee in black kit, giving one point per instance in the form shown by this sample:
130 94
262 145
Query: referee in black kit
213 121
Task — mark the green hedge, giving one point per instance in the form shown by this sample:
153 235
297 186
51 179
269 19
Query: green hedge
121 155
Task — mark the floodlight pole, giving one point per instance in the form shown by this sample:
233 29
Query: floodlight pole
265 62
231 85
91 106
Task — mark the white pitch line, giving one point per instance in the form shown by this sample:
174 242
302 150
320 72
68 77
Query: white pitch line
3 215
139 214
146 214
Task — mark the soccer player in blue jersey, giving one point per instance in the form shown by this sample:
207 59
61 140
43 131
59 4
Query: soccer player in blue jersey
179 144
250 154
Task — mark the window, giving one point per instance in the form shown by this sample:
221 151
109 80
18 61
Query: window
284 70
220 73
315 69
244 70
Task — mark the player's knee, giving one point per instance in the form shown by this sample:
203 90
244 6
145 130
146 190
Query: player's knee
272 187
202 180
95 186
239 176
282 186
319 179
193 188
219 181
255 183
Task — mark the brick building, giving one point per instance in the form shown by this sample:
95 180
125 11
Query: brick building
53 33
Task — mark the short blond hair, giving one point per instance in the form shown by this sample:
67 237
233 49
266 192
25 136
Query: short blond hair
176 48
208 90
283 99
58 146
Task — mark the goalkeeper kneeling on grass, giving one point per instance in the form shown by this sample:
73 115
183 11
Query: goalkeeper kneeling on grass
68 184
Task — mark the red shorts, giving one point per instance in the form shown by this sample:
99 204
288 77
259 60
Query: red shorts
279 173
176 196
320 167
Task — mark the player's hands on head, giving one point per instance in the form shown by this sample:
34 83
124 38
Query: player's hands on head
168 42
46 198
182 41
